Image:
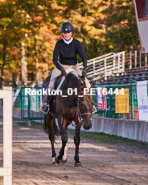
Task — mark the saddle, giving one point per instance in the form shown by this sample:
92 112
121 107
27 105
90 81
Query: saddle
59 80
58 83
63 78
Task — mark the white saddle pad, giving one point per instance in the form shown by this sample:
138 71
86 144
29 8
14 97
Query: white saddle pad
70 70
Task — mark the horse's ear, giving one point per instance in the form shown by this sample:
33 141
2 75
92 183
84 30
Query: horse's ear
81 88
92 86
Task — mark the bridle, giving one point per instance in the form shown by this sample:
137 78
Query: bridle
79 114
86 113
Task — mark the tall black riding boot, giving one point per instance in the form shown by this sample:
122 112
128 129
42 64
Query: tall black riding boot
46 104
45 108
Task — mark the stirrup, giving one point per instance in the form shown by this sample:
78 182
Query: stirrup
45 112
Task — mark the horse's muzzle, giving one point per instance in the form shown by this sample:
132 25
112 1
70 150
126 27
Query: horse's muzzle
87 127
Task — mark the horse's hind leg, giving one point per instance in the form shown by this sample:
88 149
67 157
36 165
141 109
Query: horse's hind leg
77 142
64 137
50 120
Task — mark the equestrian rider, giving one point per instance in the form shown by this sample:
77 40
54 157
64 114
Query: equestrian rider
66 49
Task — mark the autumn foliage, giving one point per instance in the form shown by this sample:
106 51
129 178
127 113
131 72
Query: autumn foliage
102 26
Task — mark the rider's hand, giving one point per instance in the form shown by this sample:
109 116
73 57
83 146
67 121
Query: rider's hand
84 73
63 72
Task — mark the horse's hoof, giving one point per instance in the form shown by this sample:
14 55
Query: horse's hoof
77 164
58 160
53 163
64 161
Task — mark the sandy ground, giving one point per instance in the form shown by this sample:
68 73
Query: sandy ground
101 163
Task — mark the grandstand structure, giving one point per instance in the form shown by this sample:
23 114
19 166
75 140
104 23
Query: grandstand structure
117 68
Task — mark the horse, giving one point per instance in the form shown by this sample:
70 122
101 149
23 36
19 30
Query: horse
77 107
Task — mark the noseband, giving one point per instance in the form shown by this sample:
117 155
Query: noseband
86 113
79 112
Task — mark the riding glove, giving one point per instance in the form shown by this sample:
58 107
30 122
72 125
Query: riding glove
84 73
63 72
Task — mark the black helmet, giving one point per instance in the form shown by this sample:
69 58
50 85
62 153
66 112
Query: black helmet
66 27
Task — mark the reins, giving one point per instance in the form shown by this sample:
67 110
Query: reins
78 112
75 109
72 102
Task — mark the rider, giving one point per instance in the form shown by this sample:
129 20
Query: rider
66 49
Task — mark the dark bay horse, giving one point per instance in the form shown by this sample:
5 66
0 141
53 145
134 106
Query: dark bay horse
76 107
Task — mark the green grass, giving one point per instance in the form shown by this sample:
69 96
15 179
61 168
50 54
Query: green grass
91 136
24 122
106 138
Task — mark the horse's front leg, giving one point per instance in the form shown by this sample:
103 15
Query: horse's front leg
51 136
64 138
77 142
53 150
49 122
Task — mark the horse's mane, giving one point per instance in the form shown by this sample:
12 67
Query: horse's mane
71 81
88 98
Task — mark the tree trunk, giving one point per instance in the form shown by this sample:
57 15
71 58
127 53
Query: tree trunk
3 65
24 65
14 77
36 62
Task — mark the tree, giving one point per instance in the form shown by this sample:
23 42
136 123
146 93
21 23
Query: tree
10 31
18 18
120 24
101 26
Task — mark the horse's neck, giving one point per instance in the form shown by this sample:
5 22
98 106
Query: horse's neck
72 81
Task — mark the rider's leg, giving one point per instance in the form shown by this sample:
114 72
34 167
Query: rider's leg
79 72
46 103
55 73
87 83
44 107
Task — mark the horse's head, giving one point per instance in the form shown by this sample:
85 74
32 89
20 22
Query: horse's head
86 108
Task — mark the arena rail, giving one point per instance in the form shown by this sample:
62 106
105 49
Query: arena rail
6 170
105 65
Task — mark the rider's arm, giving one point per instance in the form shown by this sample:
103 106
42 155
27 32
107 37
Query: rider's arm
55 56
82 54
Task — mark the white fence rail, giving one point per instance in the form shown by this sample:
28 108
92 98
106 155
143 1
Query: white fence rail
105 65
6 170
136 59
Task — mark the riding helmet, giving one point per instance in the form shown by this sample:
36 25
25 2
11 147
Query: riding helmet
66 27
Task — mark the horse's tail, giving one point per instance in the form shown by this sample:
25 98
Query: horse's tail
45 128
55 127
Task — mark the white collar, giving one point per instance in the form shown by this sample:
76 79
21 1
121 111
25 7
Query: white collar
68 42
